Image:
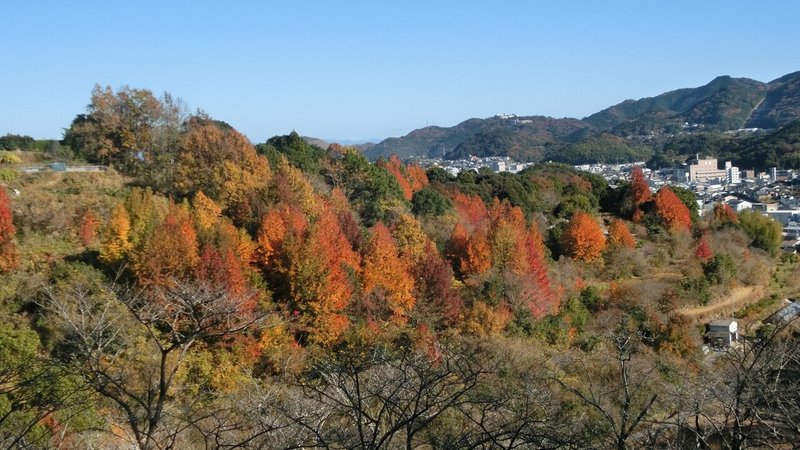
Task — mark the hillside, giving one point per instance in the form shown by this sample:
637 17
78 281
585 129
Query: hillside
725 103
203 292
517 136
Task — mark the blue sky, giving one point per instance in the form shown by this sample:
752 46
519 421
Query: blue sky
374 69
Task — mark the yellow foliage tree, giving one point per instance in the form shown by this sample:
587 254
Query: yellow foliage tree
206 211
114 243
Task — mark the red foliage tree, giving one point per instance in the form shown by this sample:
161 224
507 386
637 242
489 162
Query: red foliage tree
583 239
88 228
640 192
438 302
9 255
542 301
703 251
672 211
416 177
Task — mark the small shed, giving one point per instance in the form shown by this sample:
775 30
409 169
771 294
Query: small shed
722 333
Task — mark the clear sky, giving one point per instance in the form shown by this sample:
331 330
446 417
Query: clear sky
374 69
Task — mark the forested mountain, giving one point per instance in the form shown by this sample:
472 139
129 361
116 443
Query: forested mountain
205 292
647 124
522 137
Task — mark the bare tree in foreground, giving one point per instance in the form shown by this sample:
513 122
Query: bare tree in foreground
128 346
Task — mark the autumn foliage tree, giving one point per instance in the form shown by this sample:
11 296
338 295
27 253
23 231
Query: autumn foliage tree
619 235
114 242
640 192
395 167
320 279
206 211
221 162
723 215
387 284
673 212
703 251
583 238
89 226
9 255
170 253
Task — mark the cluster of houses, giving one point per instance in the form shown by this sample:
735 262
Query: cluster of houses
474 163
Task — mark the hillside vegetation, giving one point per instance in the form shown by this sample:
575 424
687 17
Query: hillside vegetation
205 292
627 132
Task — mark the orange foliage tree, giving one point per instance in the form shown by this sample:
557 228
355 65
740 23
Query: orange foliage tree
385 276
9 255
170 253
619 235
470 208
672 211
416 177
320 281
583 238
478 254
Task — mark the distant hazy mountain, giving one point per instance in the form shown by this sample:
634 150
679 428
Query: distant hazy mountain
724 104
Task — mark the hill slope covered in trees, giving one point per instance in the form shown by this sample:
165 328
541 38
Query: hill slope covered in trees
207 292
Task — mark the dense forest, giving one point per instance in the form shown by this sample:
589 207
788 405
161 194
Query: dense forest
208 292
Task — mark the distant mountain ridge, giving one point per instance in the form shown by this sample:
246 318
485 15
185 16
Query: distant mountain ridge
724 104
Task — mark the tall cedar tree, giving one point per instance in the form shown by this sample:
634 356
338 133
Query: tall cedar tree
114 242
672 211
583 238
438 302
543 300
640 191
416 177
9 255
386 276
619 235
88 228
